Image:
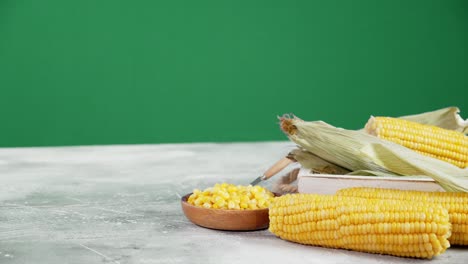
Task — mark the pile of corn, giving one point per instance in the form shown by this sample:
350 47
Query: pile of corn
394 222
230 196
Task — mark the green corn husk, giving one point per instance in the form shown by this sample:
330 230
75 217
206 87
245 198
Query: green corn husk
364 154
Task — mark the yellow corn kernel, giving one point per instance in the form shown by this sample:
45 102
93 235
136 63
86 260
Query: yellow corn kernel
256 189
231 205
225 195
216 198
221 204
198 201
413 229
454 202
192 198
258 196
232 189
217 190
443 144
245 198
206 199
253 206
261 202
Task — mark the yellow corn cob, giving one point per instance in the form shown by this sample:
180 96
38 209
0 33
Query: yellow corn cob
455 203
447 145
391 227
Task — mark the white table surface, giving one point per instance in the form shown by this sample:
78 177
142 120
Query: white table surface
121 204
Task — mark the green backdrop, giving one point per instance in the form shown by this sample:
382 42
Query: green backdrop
127 72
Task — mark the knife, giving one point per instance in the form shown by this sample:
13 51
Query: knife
277 167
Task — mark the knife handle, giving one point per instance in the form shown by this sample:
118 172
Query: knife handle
277 167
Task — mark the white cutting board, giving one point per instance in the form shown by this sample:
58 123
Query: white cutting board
329 184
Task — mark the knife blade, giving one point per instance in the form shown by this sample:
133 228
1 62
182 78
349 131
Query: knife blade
273 170
256 181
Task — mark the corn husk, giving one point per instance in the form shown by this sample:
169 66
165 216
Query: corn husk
316 164
364 154
448 118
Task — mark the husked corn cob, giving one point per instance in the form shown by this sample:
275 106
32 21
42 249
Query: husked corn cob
391 227
443 144
230 196
455 203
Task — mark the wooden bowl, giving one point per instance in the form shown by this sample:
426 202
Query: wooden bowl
222 219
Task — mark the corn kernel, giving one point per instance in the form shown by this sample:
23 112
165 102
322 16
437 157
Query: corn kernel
198 201
232 189
253 206
261 202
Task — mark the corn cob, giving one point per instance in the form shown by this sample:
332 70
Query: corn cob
456 204
406 229
444 144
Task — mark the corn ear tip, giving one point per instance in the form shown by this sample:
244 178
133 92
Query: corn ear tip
287 123
369 126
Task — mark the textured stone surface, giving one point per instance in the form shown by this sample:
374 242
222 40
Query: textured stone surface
121 204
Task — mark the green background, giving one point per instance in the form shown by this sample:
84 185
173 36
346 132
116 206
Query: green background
128 72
